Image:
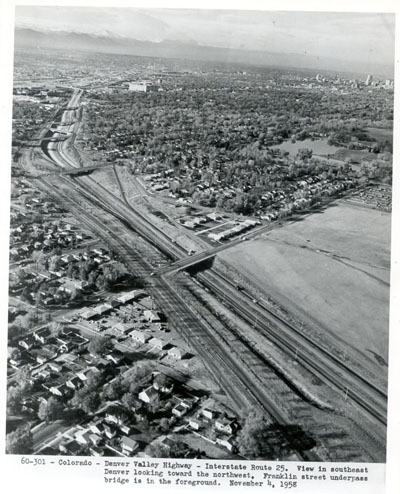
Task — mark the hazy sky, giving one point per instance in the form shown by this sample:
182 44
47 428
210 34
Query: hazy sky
346 36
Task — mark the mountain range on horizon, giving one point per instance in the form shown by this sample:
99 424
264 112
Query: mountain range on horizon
108 43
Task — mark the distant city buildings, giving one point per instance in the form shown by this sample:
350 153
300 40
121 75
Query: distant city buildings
143 87
368 80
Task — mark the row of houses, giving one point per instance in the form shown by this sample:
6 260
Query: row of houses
41 346
97 436
234 231
114 303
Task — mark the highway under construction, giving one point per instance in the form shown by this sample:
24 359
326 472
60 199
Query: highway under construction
165 272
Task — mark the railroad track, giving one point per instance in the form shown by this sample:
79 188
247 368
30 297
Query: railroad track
223 286
359 389
213 358
219 285
238 383
178 313
268 324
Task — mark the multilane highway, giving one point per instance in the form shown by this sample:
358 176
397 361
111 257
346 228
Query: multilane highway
313 357
236 380
309 353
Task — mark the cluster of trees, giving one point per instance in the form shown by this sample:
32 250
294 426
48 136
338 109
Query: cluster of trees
259 438
28 118
96 277
24 322
219 132
206 118
17 393
20 441
158 450
377 171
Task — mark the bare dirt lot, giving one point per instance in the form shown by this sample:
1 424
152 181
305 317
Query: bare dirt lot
331 270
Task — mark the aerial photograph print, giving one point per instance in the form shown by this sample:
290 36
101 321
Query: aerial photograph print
200 232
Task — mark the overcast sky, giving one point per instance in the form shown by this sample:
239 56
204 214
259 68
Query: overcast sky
346 36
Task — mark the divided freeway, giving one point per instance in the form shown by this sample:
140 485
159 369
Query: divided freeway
310 354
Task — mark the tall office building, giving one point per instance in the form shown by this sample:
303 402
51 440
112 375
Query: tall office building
368 81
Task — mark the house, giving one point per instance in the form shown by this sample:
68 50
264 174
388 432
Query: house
148 395
95 438
96 451
227 426
177 353
152 316
181 408
115 303
140 336
208 413
158 343
70 448
54 367
121 329
166 386
129 445
27 343
44 353
227 442
103 309
74 382
45 374
109 431
194 424
115 356
82 436
166 442
64 345
116 416
97 427
42 335
58 389
126 429
128 297
89 315
84 374
100 362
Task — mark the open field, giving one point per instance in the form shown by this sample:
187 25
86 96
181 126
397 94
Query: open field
380 134
331 270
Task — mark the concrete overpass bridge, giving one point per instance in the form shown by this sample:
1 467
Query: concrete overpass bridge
83 170
202 260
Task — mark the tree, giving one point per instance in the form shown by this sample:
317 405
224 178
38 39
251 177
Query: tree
100 345
20 441
23 379
55 328
15 330
137 375
87 399
115 390
304 154
162 381
51 410
14 399
164 424
26 295
130 401
252 437
158 450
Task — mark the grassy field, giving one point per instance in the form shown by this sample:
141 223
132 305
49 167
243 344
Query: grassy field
331 270
380 134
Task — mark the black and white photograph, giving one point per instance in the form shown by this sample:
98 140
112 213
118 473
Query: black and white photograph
200 234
